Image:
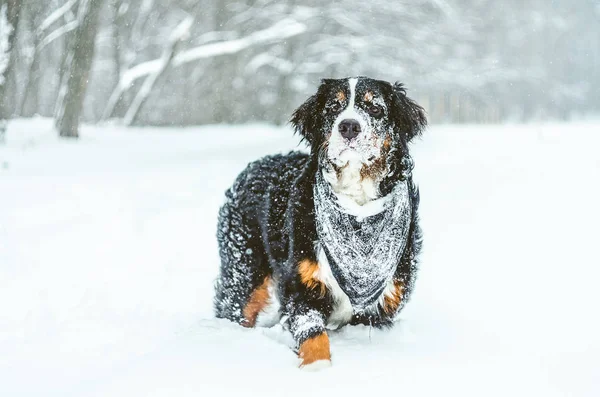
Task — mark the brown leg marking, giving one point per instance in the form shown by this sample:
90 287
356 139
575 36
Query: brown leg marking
314 349
392 301
257 302
308 275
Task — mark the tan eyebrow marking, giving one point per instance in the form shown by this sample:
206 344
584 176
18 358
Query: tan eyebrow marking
340 96
368 96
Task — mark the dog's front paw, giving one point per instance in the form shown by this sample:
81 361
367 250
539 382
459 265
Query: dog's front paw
314 353
316 365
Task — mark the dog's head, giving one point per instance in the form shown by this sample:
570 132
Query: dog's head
362 122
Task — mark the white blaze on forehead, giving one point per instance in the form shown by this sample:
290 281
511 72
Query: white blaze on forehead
350 111
352 84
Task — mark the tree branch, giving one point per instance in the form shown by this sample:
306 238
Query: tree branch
56 15
279 31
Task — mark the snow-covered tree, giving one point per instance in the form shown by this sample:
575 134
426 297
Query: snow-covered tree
5 31
9 19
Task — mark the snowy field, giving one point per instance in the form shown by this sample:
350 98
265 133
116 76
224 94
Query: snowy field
108 255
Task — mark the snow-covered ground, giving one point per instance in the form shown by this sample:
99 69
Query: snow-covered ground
108 255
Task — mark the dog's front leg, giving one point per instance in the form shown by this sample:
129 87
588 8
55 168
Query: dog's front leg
308 329
308 308
308 304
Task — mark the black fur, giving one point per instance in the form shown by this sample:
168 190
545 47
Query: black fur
267 225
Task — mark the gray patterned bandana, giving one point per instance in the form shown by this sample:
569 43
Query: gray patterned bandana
363 253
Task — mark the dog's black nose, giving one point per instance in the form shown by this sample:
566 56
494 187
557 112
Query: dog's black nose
349 128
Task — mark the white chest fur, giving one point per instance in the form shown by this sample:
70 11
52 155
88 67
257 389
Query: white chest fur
351 184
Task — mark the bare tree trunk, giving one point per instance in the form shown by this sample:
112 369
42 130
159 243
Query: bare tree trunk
70 16
144 92
137 42
29 100
79 63
180 33
12 10
33 69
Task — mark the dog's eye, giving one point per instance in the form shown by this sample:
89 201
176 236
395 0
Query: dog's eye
334 107
375 111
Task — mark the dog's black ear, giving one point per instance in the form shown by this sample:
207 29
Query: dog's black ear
308 117
304 119
410 118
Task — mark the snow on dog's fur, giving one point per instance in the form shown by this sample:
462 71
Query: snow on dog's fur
272 260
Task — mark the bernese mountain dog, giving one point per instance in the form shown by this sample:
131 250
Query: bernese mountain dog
320 240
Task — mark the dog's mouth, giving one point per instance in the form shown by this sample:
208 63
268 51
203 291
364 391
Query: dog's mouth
353 152
352 167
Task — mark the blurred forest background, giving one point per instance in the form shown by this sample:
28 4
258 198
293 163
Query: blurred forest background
181 62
